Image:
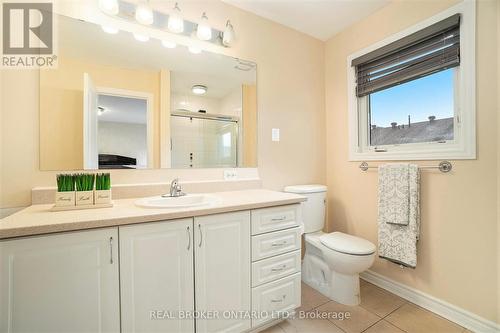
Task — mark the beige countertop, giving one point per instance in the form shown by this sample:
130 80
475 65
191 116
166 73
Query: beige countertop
38 219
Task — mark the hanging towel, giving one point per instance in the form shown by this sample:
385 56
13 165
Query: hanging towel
399 213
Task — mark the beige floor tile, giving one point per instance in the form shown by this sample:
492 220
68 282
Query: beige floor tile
379 301
359 318
311 298
414 319
273 329
383 327
309 326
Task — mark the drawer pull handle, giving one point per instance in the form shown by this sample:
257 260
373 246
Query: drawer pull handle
282 218
279 244
111 250
279 300
278 269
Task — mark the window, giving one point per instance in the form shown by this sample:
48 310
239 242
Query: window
412 96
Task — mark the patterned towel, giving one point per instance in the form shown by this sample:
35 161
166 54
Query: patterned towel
399 213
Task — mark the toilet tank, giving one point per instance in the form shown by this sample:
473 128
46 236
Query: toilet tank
313 210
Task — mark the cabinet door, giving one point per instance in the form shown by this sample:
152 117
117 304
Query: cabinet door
60 283
156 276
222 261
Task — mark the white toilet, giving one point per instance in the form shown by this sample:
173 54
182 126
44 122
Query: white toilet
333 261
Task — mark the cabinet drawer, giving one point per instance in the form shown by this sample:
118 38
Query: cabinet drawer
272 300
279 242
270 269
274 218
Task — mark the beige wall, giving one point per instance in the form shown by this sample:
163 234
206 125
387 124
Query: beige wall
290 97
458 246
61 108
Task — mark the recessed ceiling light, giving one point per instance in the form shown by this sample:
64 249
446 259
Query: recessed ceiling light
168 44
141 38
194 49
109 6
109 29
199 89
175 22
144 13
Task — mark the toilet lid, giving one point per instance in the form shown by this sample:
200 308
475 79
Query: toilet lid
348 244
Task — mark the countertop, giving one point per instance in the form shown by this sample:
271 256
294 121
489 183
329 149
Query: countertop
38 219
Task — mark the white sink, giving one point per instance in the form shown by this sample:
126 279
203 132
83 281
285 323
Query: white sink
186 201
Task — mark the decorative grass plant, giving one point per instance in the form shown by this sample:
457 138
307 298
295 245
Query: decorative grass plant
103 182
84 181
65 183
65 195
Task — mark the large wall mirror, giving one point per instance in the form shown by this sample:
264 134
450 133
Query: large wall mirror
115 102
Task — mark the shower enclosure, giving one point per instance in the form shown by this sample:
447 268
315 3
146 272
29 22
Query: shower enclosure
201 140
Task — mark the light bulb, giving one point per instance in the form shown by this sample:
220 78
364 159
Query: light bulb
194 49
144 14
109 29
203 31
175 21
168 44
109 6
141 38
228 36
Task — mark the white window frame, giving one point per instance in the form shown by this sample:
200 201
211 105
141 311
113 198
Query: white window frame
463 145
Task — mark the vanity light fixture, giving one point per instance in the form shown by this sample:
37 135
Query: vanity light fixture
141 38
175 22
168 44
144 13
203 31
194 49
109 6
199 89
228 35
109 29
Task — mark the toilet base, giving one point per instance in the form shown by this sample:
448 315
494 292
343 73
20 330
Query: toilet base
344 289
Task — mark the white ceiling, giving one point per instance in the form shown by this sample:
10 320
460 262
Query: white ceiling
123 109
318 18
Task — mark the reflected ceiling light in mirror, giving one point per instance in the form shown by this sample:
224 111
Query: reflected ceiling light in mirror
109 6
175 22
194 49
109 29
101 110
144 13
228 34
203 31
168 44
141 38
199 89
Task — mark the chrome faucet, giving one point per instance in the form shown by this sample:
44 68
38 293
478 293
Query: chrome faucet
175 189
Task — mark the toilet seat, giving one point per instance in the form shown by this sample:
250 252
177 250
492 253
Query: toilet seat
344 243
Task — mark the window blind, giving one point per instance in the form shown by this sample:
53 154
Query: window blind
424 52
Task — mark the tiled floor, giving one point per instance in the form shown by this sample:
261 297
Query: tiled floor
379 312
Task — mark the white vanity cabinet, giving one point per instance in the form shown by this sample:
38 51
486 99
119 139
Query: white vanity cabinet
156 276
222 265
60 283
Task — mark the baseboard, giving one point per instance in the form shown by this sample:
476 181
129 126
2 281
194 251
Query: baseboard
449 311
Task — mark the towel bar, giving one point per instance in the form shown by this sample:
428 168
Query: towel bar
444 166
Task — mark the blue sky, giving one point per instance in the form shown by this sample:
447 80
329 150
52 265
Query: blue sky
429 96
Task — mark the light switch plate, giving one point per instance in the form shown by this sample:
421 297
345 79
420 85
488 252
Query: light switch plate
275 134
230 174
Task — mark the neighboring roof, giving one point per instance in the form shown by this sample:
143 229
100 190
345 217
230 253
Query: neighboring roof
425 131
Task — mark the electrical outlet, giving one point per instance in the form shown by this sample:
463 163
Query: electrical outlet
230 174
275 134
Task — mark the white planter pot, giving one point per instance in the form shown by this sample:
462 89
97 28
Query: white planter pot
102 197
64 199
84 198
